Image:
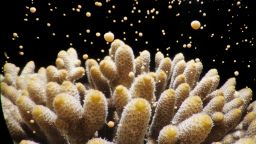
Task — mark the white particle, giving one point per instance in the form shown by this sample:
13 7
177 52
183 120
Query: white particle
99 4
88 14
48 24
97 34
32 9
236 73
140 34
15 34
20 46
189 45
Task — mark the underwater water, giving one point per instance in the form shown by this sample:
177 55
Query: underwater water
220 33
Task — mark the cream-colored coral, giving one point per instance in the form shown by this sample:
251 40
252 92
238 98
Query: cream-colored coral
122 100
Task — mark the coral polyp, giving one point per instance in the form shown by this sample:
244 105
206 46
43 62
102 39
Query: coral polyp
122 100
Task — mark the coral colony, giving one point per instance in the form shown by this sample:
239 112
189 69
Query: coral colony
122 100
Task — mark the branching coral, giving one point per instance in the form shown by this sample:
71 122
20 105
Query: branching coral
122 100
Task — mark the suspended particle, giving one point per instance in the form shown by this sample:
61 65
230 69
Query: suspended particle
21 53
140 34
85 56
238 3
79 6
195 24
67 36
53 34
169 6
15 35
102 50
236 73
48 24
32 9
98 4
152 10
184 45
111 124
6 56
109 36
31 121
88 31
88 14
37 19
189 45
77 10
20 46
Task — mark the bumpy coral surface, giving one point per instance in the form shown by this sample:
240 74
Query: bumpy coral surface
122 100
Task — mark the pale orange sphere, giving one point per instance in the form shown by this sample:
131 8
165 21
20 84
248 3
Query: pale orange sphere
195 24
109 37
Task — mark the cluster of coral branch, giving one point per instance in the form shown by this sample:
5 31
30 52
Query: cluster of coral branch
121 100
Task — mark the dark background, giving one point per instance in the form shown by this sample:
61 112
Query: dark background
227 23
